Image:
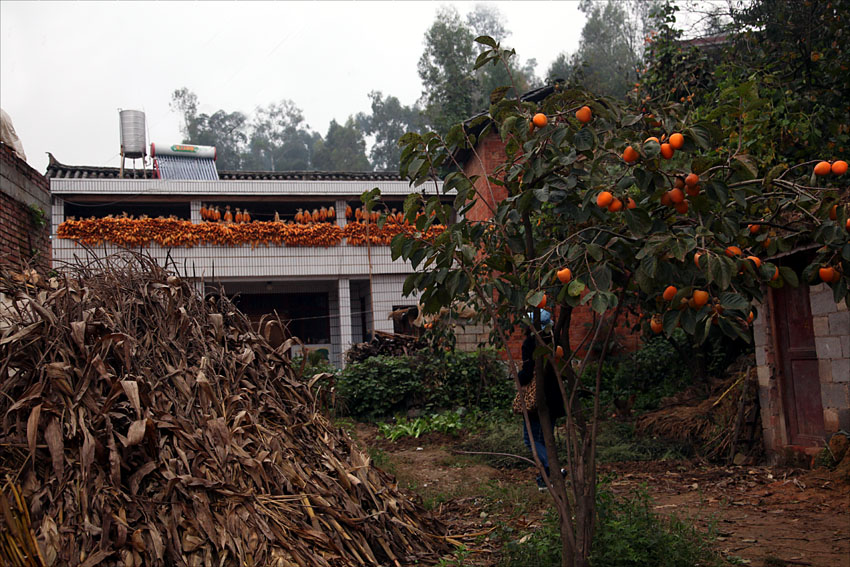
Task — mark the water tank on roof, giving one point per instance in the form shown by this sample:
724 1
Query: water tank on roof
133 142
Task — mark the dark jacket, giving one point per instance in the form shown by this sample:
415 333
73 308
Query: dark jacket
550 380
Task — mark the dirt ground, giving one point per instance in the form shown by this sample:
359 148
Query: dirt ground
764 516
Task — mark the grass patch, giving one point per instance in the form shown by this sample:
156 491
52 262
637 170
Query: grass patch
456 461
511 499
382 460
432 496
617 442
629 534
501 433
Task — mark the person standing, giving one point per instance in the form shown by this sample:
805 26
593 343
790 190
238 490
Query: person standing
552 397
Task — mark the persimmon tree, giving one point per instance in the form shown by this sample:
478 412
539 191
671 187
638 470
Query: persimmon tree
628 228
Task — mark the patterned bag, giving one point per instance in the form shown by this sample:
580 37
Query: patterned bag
529 393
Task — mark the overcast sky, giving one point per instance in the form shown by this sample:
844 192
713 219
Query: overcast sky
67 67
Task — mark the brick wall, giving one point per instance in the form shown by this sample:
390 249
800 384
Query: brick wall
489 153
21 187
831 325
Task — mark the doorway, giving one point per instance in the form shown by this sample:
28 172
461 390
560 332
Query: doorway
799 378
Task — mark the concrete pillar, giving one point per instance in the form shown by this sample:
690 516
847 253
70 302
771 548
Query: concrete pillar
57 214
195 207
344 291
340 205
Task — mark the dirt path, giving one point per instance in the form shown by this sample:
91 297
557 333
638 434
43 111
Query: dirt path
760 513
764 516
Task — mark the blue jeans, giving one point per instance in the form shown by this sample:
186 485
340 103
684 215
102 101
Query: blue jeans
537 435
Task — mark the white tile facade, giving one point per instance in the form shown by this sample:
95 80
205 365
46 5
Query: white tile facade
345 269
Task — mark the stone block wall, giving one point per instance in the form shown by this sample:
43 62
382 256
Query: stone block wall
23 192
832 341
831 324
470 335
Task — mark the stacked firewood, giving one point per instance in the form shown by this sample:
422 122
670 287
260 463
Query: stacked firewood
384 344
143 425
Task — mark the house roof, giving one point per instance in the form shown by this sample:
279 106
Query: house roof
59 170
708 41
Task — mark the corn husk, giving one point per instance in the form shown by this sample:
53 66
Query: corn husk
147 426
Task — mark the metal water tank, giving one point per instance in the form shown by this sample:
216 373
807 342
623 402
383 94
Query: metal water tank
132 133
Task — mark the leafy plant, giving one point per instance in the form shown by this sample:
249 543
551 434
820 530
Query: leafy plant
403 428
38 216
457 559
541 547
447 422
428 380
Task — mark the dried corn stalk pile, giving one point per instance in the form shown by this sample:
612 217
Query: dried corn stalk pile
146 426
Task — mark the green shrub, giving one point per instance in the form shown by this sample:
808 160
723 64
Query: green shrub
380 386
315 364
427 381
628 534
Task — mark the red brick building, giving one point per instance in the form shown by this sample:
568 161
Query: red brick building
24 214
489 153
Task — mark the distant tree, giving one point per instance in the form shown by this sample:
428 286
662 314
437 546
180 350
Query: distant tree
485 19
388 122
560 68
343 149
185 102
605 62
224 130
448 82
519 77
280 139
778 80
611 51
452 89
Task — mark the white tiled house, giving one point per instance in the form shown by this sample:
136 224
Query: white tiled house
324 293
